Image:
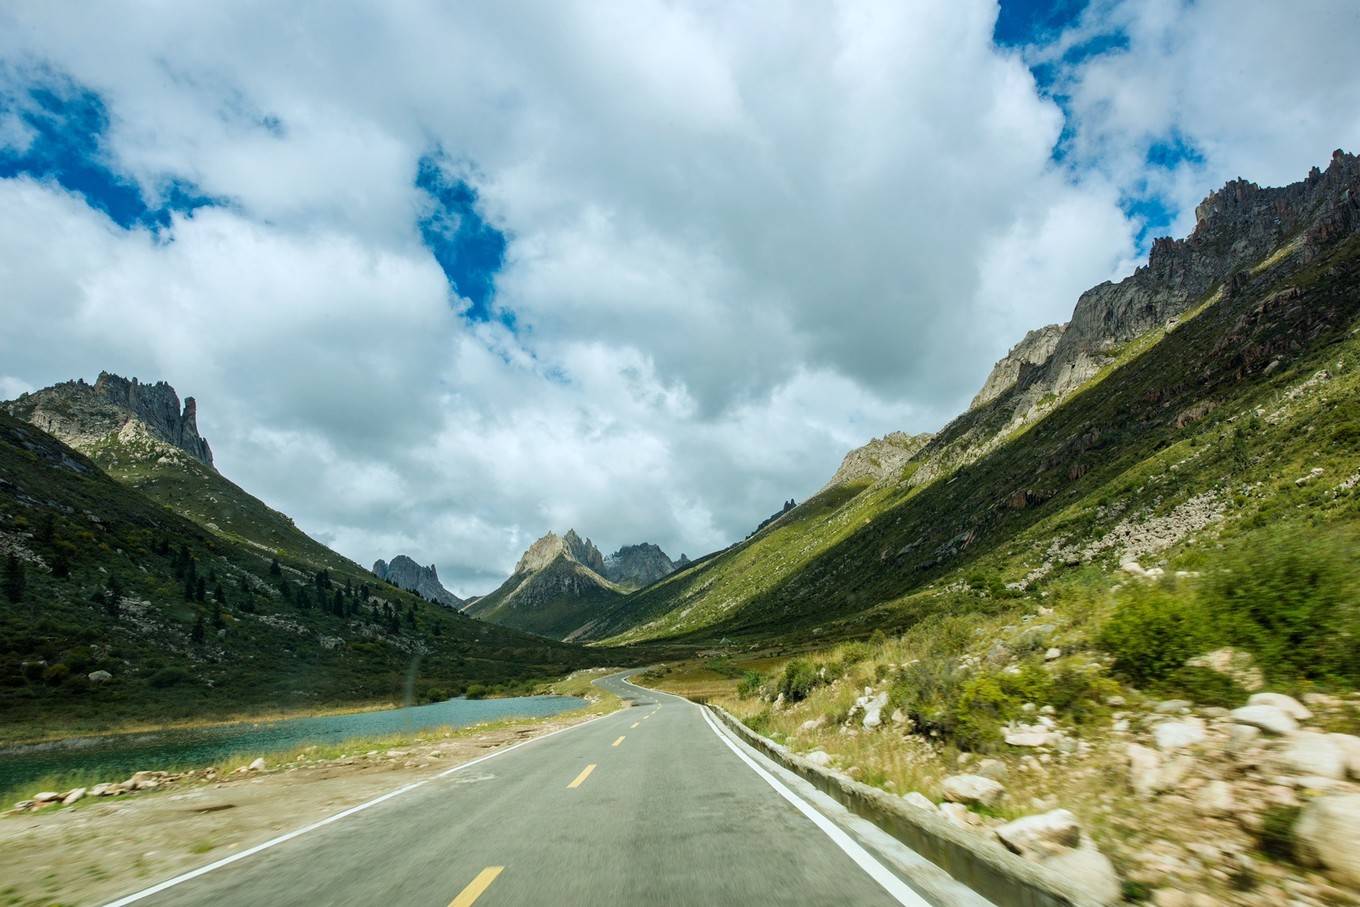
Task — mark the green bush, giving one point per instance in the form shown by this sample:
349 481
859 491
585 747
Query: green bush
1276 838
800 678
750 684
1202 687
476 691
1153 631
1293 601
168 677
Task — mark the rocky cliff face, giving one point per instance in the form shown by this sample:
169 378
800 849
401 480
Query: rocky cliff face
879 459
545 550
1235 228
405 573
82 415
1032 351
635 566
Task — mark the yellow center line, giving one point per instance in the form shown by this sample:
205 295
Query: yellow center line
585 773
617 742
475 888
635 724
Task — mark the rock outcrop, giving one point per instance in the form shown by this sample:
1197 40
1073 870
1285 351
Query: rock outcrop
881 458
635 566
83 415
405 573
551 546
1031 352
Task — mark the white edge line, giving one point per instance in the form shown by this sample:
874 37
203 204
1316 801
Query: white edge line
899 890
274 842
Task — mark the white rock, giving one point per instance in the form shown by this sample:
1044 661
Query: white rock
1215 799
46 796
873 710
958 814
1053 654
811 724
818 757
1090 870
1311 753
1145 769
1287 704
1242 736
993 768
72 796
970 789
103 789
1349 745
1328 834
918 799
1268 718
99 677
1175 735
1042 835
257 765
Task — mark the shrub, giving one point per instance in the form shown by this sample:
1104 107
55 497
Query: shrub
1153 631
168 677
1276 838
1203 687
800 678
982 707
56 674
750 684
476 691
1293 600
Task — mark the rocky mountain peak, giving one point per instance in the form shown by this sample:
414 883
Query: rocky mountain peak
635 566
547 549
405 573
83 414
1033 350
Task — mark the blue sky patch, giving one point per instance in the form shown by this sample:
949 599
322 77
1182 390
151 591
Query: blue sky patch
67 125
1022 22
470 251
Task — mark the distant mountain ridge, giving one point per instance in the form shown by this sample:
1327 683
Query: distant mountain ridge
635 566
405 573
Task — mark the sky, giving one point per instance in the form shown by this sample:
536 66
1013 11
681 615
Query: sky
443 277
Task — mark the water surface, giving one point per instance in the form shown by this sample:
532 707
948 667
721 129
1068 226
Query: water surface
114 757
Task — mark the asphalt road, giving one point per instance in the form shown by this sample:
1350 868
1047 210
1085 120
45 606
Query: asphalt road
646 806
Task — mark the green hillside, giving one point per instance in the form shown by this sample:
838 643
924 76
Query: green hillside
554 600
189 623
1202 428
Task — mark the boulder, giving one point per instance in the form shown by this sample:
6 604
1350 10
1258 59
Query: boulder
103 789
99 676
1311 753
1268 718
972 789
993 768
1241 737
73 795
1145 769
1287 704
811 724
1349 745
1053 654
1090 871
920 800
1215 799
1173 706
873 709
959 815
1235 664
46 796
818 758
257 765
1041 835
1028 735
1328 835
1175 735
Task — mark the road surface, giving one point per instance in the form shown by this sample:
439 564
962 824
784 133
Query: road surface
648 805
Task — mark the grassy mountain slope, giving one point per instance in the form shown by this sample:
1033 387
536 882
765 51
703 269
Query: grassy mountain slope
189 623
1162 440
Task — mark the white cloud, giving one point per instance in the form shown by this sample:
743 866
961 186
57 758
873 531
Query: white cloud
742 240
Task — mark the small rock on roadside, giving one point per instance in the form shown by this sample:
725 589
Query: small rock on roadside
972 789
73 796
819 758
1287 704
1041 835
1268 718
1328 834
257 765
918 799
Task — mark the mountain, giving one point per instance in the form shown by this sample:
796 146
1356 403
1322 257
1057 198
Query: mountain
1184 400
138 434
116 609
882 458
423 581
635 566
557 589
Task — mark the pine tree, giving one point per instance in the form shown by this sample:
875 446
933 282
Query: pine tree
219 594
201 590
15 579
197 633
274 568
61 565
217 620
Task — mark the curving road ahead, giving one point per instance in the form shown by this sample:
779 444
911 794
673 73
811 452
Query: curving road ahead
652 804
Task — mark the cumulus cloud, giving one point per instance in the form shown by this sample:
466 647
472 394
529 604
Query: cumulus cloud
739 240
